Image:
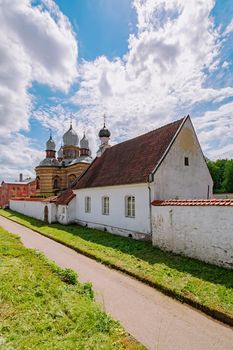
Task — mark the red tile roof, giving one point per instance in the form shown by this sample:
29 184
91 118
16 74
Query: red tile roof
193 202
65 198
131 161
36 199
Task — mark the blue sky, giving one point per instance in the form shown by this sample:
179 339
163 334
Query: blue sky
142 62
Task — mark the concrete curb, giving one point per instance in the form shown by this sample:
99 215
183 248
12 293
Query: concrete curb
218 315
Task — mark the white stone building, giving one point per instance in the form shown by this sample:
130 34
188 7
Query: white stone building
156 186
116 191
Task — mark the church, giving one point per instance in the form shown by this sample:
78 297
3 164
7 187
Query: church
154 187
55 174
116 191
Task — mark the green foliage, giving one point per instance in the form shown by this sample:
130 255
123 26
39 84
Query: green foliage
209 285
228 176
221 171
39 311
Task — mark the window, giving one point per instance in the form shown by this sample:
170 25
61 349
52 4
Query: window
105 205
130 206
186 161
69 153
37 183
87 204
56 183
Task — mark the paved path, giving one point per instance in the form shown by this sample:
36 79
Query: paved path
157 321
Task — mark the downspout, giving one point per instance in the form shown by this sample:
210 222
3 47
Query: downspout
150 179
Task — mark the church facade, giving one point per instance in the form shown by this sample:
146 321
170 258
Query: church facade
55 174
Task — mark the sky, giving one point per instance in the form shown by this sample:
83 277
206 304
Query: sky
143 63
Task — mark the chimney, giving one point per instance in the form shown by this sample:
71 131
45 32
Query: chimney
21 177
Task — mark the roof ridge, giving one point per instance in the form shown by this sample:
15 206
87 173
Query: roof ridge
120 165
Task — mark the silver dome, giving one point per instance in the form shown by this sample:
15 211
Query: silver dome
84 142
50 144
60 152
49 162
70 138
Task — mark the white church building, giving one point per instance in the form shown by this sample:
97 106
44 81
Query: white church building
156 186
116 191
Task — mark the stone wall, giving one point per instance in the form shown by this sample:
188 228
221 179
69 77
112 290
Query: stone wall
34 208
202 232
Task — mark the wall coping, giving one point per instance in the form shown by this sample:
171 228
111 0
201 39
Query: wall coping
193 202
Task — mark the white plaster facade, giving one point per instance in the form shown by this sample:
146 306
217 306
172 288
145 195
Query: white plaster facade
201 232
66 214
34 209
174 180
170 179
116 221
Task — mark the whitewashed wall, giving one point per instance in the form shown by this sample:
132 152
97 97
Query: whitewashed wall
116 221
174 180
66 214
34 209
202 232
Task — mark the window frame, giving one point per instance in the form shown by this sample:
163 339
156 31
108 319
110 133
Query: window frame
105 205
87 206
130 206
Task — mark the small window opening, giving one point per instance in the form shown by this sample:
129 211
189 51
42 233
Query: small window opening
186 161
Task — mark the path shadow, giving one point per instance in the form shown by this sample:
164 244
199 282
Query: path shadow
144 251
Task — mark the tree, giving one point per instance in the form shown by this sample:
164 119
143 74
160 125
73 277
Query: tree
228 177
217 175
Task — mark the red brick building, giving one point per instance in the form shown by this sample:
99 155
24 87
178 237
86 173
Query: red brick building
12 189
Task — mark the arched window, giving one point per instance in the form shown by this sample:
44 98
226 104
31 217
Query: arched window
105 205
56 183
69 153
38 183
130 206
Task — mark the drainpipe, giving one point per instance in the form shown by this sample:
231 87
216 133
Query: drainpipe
150 179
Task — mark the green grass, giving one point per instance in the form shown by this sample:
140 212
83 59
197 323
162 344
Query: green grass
205 286
44 307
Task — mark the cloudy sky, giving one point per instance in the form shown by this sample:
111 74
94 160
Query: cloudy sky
142 62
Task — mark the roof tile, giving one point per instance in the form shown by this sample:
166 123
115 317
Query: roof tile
131 161
193 202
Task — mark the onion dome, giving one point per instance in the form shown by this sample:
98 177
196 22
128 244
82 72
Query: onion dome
50 144
70 138
104 132
60 152
84 142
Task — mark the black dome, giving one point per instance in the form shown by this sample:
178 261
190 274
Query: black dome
104 132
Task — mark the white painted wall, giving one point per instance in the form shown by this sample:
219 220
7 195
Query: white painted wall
66 214
34 209
174 180
202 232
116 221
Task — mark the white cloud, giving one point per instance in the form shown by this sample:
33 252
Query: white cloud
215 130
36 44
18 155
162 75
229 28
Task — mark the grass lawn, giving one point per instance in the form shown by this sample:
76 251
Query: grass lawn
45 307
205 286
